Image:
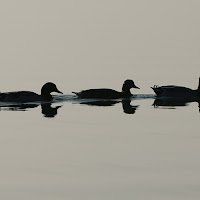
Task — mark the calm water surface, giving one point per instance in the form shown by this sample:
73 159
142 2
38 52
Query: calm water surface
112 150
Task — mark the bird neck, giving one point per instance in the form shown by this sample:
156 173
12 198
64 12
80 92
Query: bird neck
198 92
46 95
198 89
126 90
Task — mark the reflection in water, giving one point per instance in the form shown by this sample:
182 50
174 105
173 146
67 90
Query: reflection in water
174 102
18 107
127 107
47 109
100 103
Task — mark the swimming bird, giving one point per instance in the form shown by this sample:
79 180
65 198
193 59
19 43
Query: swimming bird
176 91
27 96
104 93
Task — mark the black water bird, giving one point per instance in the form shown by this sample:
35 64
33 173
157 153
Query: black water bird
104 93
28 96
176 91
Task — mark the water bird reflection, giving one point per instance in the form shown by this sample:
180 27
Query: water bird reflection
174 102
46 109
126 104
18 107
128 108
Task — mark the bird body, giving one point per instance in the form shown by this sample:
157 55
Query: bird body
28 96
104 93
20 96
100 93
176 91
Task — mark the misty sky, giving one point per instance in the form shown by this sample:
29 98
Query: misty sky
88 41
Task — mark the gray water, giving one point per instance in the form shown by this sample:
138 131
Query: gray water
116 150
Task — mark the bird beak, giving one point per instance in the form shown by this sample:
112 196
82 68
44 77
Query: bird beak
136 87
58 91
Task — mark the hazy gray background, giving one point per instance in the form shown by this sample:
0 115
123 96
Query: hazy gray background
89 152
81 44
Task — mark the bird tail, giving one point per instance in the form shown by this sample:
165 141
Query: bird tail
157 90
75 93
198 91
